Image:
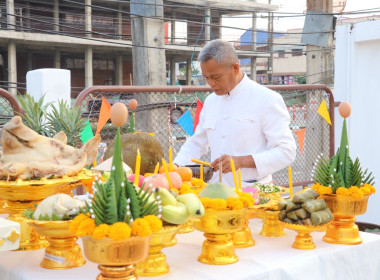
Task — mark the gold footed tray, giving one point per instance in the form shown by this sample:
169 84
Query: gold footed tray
155 264
116 259
63 252
218 226
303 241
20 195
187 227
243 238
342 229
271 224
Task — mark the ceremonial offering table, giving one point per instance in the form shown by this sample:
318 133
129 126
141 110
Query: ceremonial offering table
271 258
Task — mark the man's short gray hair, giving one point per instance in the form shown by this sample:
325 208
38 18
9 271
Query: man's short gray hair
222 51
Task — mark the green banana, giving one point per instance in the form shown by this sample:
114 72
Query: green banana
175 214
193 204
165 196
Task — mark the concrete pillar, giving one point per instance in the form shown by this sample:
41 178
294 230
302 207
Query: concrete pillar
56 15
207 26
120 21
27 17
172 31
188 72
29 62
11 19
88 18
253 47
119 70
88 67
12 68
57 59
172 72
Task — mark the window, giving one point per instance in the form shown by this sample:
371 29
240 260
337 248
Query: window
281 53
296 52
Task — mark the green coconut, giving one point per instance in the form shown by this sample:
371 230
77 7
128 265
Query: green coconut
150 150
218 190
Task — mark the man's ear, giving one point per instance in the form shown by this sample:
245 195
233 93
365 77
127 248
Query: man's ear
236 67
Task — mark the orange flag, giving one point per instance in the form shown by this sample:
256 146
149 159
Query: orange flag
104 115
301 137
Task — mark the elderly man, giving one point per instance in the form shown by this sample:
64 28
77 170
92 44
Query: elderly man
241 119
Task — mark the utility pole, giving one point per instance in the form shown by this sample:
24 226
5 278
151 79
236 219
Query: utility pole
319 60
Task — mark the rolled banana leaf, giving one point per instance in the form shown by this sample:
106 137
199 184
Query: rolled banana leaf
314 205
282 215
289 221
307 222
290 206
292 215
321 217
302 213
305 196
282 204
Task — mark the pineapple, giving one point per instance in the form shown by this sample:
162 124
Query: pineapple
66 119
61 118
34 114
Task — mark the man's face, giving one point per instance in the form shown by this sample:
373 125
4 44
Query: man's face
221 78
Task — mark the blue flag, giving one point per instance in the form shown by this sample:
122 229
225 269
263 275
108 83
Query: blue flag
186 122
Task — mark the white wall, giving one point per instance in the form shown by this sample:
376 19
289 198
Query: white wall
357 80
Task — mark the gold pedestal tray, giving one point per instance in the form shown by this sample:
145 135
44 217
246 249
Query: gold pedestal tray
63 252
243 238
116 259
20 195
155 264
303 241
187 227
218 248
271 224
342 229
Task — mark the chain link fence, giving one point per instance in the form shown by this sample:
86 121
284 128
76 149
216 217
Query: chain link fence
160 107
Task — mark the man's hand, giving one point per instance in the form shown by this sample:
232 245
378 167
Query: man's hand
240 162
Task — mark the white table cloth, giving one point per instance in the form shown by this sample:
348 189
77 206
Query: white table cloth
271 258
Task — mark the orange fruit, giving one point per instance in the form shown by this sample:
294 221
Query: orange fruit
162 169
185 172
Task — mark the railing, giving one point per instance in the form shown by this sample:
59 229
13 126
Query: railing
159 107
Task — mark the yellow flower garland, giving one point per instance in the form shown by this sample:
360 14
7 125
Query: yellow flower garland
353 191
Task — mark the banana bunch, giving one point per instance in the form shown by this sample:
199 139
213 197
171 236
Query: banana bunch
177 209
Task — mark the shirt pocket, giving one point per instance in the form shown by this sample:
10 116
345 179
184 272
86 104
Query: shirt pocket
210 124
246 131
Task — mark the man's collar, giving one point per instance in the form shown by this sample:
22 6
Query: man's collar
238 87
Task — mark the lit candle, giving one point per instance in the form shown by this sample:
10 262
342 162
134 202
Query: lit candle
156 168
170 159
201 172
167 173
290 181
239 177
234 175
137 168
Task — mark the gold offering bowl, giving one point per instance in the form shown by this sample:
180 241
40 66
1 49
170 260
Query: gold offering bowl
243 238
155 264
116 259
20 195
303 241
342 229
187 227
271 224
218 226
63 252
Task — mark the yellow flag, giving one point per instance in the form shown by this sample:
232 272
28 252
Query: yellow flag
324 112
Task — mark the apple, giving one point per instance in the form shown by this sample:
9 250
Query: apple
132 179
156 181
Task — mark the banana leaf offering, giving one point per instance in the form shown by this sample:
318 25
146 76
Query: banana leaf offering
305 209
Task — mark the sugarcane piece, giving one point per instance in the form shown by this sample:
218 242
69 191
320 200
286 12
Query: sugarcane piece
314 205
287 220
292 215
282 204
321 217
282 215
307 222
290 206
305 196
302 213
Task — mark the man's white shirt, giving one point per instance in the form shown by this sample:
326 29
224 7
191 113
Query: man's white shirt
250 120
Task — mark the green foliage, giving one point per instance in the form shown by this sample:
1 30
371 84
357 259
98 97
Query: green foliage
300 79
34 113
66 119
61 118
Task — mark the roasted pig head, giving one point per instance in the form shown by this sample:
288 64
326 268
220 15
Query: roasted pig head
26 154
